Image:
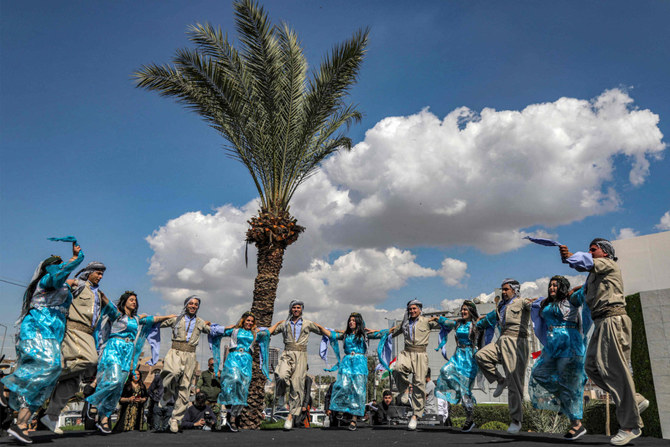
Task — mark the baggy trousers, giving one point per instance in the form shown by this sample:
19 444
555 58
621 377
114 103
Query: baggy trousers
416 364
292 369
607 360
80 358
177 374
512 352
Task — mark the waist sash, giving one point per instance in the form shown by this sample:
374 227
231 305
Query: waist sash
295 347
420 348
183 346
79 327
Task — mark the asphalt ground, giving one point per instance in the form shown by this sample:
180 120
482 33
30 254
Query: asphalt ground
316 437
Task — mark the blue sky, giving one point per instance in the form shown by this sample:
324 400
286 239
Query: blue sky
86 153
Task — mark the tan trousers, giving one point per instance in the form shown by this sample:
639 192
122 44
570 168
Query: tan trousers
416 364
80 360
607 360
512 353
292 369
177 374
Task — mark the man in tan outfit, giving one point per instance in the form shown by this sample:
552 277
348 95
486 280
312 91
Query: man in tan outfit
180 361
292 366
413 358
608 353
78 349
511 350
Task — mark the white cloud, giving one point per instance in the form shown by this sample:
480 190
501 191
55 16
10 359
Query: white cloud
625 233
664 224
480 179
418 181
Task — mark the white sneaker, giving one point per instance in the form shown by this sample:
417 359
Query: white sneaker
514 427
51 424
500 388
624 437
643 406
288 424
412 423
174 426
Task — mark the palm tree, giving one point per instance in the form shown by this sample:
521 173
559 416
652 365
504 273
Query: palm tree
275 120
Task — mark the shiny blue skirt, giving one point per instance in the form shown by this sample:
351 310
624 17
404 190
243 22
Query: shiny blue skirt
457 376
38 359
113 368
235 379
557 379
349 390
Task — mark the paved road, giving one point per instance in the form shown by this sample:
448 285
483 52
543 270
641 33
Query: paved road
319 438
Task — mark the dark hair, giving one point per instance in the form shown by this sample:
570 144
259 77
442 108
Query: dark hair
428 373
472 308
121 303
561 294
387 393
359 332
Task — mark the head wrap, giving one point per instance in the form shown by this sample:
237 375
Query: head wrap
293 303
472 308
405 319
514 284
606 246
49 265
94 266
183 312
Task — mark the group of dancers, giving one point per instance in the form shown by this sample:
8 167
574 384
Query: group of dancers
69 330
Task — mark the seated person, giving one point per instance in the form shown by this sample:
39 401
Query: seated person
199 415
386 414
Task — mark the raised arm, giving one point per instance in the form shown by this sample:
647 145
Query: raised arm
57 278
273 329
324 331
160 319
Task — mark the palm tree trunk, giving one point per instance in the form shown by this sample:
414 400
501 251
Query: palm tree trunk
269 262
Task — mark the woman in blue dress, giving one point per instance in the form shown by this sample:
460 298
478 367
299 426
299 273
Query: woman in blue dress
557 379
122 332
236 372
42 327
457 376
349 390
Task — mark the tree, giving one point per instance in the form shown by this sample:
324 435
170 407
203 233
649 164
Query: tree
278 123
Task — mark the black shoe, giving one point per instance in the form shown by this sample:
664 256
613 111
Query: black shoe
104 427
232 426
469 425
352 426
19 434
573 434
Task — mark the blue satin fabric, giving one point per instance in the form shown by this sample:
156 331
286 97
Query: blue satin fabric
458 374
115 362
557 379
236 372
350 389
38 357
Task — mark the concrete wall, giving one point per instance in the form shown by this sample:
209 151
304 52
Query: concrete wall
656 312
644 262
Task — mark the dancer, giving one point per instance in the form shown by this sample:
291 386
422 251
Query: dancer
292 367
79 347
608 352
457 376
558 377
236 373
123 334
349 391
512 314
180 361
413 358
42 327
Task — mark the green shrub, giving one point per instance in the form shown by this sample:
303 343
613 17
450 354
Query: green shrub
277 425
642 376
495 425
594 418
483 413
543 421
458 421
